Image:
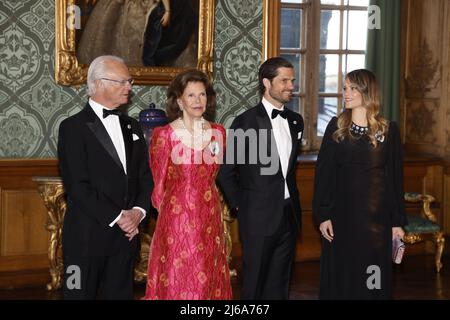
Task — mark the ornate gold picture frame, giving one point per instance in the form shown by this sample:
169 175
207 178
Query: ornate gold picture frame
69 71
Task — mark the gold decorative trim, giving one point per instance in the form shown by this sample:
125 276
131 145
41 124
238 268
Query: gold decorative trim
426 199
140 270
227 220
68 71
437 238
52 192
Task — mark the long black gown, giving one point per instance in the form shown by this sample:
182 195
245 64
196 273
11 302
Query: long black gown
360 188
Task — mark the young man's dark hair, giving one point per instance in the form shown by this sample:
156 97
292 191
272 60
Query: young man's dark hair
269 70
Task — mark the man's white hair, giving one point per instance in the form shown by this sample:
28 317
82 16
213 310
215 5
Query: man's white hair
98 69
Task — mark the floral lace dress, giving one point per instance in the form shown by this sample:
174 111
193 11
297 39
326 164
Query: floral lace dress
187 255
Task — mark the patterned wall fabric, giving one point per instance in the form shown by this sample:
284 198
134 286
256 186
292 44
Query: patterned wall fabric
32 105
238 46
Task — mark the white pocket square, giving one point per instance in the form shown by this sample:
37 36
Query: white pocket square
300 134
135 137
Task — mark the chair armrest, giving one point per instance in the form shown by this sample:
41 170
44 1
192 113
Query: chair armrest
426 200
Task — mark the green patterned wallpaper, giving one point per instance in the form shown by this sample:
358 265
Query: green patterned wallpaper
32 105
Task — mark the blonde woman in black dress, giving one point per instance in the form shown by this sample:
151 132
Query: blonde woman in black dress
358 196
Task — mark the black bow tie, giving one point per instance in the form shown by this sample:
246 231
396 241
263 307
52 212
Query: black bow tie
107 112
276 112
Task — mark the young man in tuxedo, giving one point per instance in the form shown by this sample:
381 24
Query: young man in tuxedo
104 165
258 179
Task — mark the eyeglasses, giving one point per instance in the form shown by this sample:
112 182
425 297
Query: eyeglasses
121 82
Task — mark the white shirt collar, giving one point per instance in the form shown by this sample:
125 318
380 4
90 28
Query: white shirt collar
269 107
97 107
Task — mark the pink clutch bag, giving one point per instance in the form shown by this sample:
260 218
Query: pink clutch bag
398 249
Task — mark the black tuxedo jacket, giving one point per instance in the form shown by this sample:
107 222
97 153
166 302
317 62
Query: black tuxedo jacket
96 185
259 197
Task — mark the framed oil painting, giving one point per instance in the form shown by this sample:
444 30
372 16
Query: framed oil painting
156 38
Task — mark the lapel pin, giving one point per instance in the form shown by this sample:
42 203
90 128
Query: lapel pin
295 122
129 126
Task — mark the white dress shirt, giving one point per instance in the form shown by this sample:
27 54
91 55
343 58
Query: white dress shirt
283 140
112 126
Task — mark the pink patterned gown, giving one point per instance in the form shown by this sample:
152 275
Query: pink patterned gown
187 255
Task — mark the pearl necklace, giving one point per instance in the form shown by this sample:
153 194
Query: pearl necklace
213 145
199 128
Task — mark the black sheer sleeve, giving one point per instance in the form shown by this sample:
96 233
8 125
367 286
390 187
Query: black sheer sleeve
325 177
394 174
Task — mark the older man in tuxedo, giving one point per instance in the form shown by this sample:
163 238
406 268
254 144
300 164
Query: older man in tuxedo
258 179
104 166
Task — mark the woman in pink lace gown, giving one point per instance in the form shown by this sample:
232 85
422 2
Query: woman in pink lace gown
187 255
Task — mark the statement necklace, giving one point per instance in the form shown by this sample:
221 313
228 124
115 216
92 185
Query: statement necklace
361 131
358 130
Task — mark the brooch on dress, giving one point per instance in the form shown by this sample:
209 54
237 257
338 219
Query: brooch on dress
214 147
379 136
